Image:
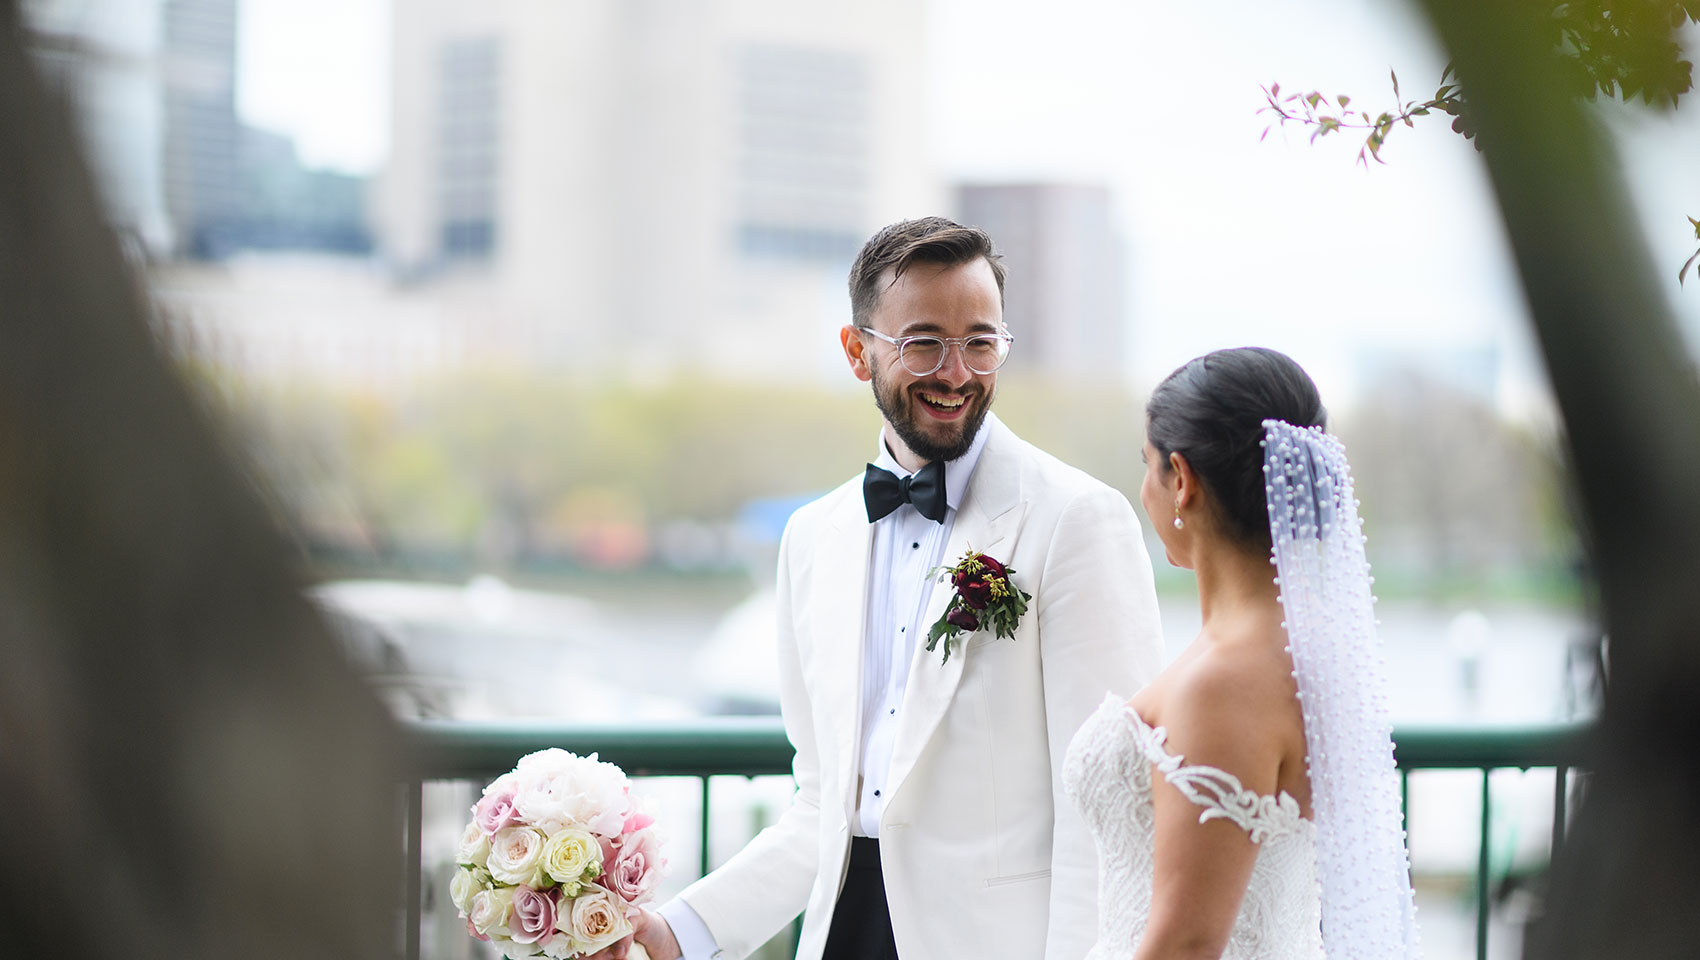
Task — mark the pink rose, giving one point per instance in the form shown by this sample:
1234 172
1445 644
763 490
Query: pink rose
494 812
533 919
636 821
474 931
635 867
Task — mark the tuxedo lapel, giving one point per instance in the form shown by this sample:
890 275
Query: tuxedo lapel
841 606
987 522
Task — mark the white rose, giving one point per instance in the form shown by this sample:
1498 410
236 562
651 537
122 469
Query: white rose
488 912
474 846
560 948
516 855
572 857
597 921
462 888
515 950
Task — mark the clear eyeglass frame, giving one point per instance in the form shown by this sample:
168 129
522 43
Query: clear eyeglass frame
909 348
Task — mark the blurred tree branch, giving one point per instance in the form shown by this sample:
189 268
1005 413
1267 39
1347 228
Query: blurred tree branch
1619 49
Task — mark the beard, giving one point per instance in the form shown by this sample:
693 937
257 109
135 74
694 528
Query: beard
898 406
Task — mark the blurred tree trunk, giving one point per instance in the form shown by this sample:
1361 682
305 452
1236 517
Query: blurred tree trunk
1628 883
187 766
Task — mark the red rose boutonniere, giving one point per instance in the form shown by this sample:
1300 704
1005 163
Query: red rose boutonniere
985 598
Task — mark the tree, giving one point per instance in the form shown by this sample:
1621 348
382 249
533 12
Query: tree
1625 883
1617 49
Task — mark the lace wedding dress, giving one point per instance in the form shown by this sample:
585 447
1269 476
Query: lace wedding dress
1107 774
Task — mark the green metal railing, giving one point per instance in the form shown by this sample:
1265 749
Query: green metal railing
756 746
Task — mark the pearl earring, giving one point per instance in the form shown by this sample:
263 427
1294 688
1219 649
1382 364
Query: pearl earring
1178 524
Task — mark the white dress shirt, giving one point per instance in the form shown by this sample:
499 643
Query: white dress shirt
905 546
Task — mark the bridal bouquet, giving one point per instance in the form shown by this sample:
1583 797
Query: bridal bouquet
556 854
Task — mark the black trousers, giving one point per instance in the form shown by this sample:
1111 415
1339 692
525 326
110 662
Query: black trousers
861 922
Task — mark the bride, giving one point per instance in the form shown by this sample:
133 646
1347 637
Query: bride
1245 803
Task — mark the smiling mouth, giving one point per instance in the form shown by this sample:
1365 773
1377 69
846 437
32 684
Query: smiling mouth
945 405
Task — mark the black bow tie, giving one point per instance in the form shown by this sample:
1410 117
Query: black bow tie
884 491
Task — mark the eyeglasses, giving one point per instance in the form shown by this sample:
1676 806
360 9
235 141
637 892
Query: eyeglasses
983 352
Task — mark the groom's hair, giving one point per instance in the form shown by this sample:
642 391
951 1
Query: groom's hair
924 240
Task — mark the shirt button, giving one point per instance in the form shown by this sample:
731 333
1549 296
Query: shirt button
876 793
915 546
894 711
902 629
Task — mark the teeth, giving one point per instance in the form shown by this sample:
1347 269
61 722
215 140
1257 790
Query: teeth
949 403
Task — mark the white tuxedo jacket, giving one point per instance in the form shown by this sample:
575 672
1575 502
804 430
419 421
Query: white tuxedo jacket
983 854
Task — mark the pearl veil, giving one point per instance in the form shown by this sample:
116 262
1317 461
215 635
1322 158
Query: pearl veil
1318 553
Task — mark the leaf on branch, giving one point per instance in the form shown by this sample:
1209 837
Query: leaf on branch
1312 98
1274 90
1682 274
1696 227
1342 100
1395 77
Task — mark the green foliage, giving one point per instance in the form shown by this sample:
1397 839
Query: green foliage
1623 49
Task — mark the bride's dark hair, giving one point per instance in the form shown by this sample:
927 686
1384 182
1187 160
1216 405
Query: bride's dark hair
1211 411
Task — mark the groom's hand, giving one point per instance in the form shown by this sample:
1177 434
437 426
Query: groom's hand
655 936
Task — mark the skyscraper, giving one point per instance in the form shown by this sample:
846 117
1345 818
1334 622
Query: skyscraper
152 84
654 184
198 51
1065 303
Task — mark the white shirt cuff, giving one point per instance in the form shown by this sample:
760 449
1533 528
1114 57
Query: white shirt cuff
695 942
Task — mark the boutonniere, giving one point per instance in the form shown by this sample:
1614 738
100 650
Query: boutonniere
985 598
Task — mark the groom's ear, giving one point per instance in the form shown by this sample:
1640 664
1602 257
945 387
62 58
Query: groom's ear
855 350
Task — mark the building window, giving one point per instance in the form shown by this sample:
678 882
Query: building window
468 129
802 171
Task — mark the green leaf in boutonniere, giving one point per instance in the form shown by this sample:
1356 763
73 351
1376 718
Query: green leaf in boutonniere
986 598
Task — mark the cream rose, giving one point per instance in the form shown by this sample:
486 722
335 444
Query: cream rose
596 921
474 847
516 856
462 888
488 912
573 858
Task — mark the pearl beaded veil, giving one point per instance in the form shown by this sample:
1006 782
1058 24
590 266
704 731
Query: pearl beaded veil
1362 863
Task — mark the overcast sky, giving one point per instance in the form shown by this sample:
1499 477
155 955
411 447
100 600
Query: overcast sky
1231 241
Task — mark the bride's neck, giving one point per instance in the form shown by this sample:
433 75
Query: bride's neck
1234 581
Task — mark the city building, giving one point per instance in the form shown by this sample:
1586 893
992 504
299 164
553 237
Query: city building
645 185
103 58
1065 300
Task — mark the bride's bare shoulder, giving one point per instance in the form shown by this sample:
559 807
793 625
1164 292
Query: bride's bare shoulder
1231 703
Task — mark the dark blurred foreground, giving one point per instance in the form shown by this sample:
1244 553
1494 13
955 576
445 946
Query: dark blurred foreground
187 766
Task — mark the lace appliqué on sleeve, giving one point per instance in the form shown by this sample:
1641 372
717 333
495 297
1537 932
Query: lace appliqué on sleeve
1221 794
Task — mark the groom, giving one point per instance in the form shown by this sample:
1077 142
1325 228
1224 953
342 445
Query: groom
929 820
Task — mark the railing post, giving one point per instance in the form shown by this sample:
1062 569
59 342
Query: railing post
702 857
1405 805
415 854
1560 794
1482 868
